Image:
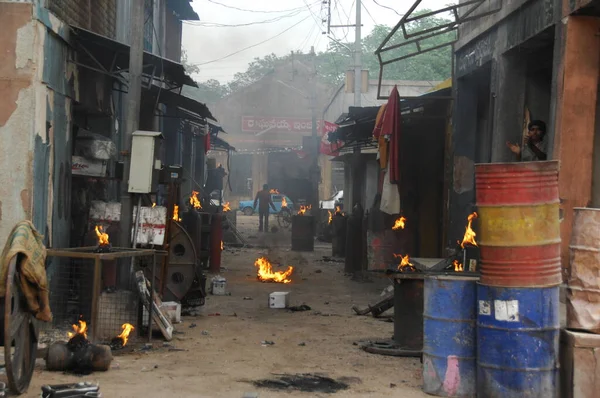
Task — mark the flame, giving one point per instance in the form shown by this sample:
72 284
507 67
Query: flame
303 209
102 236
330 216
399 224
275 191
221 245
226 206
79 329
458 267
153 205
283 202
127 329
194 201
265 272
405 264
469 237
176 214
338 210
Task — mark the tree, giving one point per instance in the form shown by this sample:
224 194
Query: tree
189 68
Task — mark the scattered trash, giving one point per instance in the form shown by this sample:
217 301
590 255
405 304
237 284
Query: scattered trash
167 345
305 382
298 308
65 390
218 286
214 314
176 349
178 332
392 385
326 303
146 347
250 395
387 290
248 298
267 342
205 333
302 344
192 325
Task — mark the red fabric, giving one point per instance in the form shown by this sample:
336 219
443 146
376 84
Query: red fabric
206 143
391 126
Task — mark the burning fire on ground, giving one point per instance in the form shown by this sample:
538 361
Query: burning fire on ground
338 210
176 214
265 272
222 245
405 264
303 209
399 223
275 191
458 267
194 201
226 207
121 340
80 329
283 202
102 236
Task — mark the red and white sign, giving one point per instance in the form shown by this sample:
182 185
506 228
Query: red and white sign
328 148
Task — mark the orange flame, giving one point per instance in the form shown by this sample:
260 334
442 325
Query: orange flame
283 202
265 272
153 205
127 329
399 224
226 206
458 267
194 201
338 210
176 214
102 236
275 191
79 329
469 237
405 264
222 245
330 216
303 209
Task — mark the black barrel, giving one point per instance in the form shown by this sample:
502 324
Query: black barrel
408 313
303 233
338 241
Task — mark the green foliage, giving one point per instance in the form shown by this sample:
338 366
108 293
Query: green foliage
338 58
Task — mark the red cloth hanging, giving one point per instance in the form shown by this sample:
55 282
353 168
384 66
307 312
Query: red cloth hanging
206 143
391 126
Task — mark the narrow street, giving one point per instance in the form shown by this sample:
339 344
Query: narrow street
224 353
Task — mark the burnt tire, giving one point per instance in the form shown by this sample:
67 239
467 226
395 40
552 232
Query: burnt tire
248 211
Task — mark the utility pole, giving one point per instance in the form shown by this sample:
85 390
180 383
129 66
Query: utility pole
357 56
132 114
315 172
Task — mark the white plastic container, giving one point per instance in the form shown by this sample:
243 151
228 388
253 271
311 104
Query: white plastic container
219 286
171 310
279 300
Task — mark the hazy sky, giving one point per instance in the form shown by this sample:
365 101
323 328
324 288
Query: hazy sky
208 40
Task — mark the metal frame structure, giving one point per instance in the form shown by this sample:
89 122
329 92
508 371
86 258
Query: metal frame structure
416 38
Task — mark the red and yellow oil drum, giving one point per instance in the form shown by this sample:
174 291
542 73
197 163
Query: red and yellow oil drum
519 236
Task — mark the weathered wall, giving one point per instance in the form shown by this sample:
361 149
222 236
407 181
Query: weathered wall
99 16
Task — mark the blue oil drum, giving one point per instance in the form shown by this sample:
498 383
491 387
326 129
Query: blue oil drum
518 342
449 335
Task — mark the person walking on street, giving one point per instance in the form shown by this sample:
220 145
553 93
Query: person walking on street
263 198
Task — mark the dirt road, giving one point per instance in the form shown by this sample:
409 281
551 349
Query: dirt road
224 353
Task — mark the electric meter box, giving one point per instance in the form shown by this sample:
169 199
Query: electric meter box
145 163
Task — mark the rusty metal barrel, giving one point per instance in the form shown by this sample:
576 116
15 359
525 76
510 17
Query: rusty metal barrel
583 292
519 237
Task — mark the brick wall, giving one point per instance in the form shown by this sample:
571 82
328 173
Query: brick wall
99 16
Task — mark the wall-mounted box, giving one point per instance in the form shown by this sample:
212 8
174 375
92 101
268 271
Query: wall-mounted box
145 161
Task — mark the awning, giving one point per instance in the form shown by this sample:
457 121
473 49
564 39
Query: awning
174 100
219 144
111 57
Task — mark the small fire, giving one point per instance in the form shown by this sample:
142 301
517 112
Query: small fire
303 209
469 237
176 214
338 210
283 202
222 247
226 206
127 329
102 236
153 205
265 272
458 267
79 329
194 201
275 191
405 264
330 216
399 224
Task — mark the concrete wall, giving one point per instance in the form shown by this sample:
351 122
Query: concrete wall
37 87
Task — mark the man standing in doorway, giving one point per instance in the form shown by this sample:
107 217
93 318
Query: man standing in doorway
263 198
535 143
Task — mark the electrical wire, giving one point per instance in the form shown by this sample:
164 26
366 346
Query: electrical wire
258 11
389 8
266 21
254 45
369 13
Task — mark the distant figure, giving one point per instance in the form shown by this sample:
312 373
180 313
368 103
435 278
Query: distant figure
263 198
535 143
